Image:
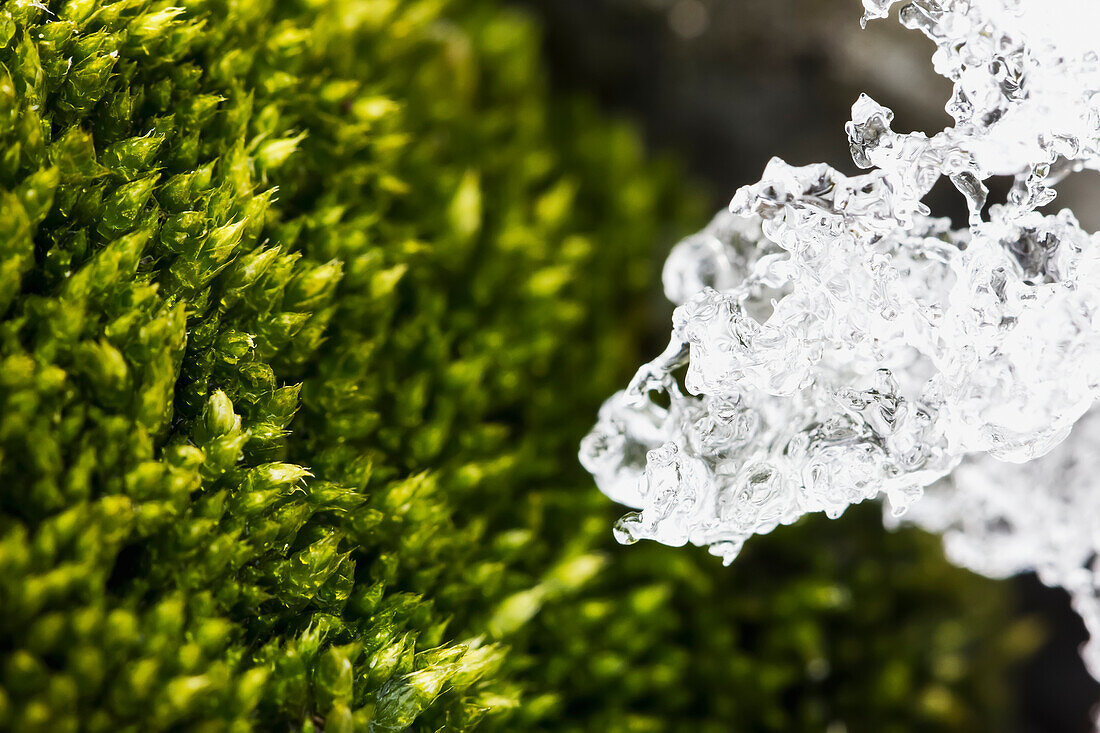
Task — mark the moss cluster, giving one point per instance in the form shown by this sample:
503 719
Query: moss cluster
304 305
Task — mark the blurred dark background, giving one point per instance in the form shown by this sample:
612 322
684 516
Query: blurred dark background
727 84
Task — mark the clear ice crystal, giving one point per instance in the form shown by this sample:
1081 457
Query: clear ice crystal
833 342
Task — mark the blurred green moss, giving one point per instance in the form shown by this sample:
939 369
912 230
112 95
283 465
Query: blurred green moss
304 307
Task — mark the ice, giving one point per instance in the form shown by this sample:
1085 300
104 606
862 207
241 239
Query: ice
833 342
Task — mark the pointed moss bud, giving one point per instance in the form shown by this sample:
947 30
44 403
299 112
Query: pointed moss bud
274 475
388 657
333 676
188 274
123 208
197 111
8 96
223 241
130 158
274 153
218 417
115 123
478 661
283 404
16 247
250 687
27 68
383 283
233 346
183 233
7 27
78 11
146 29
575 572
277 331
36 193
106 370
74 155
309 569
52 43
185 153
516 610
464 211
183 694
339 719
178 193
312 287
400 701
86 83
247 270
254 214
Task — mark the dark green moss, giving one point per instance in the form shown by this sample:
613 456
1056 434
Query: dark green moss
304 307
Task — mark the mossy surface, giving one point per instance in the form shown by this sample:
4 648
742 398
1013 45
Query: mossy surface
304 307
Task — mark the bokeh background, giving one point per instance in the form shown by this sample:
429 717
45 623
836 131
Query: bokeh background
726 84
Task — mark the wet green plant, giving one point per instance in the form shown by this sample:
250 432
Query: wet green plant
303 309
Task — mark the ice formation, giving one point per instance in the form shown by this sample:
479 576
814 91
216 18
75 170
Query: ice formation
834 343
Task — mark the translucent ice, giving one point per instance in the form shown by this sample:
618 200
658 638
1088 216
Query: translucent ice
833 342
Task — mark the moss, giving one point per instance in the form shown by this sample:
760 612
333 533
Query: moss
303 309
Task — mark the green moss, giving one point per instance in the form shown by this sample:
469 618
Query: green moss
303 309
